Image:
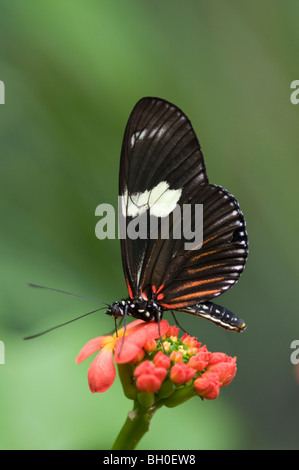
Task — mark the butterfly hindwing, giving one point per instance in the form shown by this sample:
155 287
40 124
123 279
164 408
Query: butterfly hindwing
200 275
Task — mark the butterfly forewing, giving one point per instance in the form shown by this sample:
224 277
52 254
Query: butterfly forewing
159 145
161 163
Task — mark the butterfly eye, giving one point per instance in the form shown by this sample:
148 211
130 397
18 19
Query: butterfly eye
114 310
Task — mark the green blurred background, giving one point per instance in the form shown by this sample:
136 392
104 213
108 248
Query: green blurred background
73 71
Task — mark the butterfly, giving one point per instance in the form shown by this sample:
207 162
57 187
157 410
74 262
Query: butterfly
162 169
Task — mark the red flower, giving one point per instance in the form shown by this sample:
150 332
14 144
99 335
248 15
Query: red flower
187 367
101 373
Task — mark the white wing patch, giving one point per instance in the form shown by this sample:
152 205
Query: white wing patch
160 200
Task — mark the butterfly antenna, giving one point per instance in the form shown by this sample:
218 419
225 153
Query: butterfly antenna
62 324
67 293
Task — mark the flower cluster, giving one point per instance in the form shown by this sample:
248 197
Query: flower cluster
169 372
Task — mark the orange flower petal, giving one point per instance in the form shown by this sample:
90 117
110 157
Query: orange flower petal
133 325
90 347
152 328
126 350
101 373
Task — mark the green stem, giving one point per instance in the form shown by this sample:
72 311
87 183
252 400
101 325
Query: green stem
136 425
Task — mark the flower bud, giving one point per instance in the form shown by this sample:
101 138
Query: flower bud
190 341
199 361
148 383
176 356
225 368
149 377
172 331
150 345
181 373
161 360
207 386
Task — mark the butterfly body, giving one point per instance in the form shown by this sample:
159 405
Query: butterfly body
152 310
162 170
138 308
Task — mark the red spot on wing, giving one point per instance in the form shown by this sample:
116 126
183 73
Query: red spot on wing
160 288
129 289
156 292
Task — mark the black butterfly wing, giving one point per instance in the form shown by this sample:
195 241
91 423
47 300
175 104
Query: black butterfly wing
161 164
